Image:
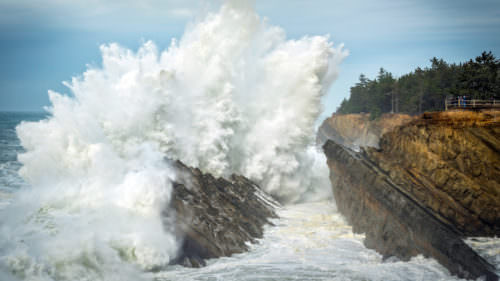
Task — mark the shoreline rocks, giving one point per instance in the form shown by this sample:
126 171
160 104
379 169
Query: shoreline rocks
215 216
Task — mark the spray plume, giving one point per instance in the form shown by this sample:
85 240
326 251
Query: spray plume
231 96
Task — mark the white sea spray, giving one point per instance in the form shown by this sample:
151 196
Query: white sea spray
233 95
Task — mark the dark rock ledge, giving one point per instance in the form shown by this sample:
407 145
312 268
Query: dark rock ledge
395 223
216 217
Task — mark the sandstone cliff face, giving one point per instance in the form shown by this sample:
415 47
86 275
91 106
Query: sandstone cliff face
357 130
216 217
431 182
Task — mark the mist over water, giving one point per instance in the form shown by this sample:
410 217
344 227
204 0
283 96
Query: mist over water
231 96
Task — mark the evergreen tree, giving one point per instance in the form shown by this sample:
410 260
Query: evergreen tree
425 89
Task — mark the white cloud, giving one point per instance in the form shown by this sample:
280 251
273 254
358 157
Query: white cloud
372 20
94 14
346 18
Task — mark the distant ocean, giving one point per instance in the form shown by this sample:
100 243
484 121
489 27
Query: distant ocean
9 148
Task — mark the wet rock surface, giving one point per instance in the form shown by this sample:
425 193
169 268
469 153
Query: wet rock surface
217 217
431 183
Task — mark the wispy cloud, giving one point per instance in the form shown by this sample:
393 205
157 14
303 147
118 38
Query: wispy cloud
385 19
93 14
181 13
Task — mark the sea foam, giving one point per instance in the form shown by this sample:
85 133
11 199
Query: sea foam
233 95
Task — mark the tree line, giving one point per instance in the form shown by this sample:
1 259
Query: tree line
425 89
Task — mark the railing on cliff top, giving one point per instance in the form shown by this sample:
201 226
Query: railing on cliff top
460 103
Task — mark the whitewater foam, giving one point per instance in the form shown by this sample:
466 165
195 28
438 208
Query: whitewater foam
310 241
232 96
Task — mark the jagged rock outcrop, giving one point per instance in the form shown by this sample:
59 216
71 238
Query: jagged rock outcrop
357 130
432 182
216 217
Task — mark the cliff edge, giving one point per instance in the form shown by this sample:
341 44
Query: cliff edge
358 130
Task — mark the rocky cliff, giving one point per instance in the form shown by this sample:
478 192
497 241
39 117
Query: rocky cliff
451 163
431 182
216 217
356 130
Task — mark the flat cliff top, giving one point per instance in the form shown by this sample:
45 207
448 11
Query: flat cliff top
385 122
460 119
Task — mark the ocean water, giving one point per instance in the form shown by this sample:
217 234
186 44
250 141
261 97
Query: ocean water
10 181
310 241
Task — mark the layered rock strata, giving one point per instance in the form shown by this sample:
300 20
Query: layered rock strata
216 217
433 182
450 162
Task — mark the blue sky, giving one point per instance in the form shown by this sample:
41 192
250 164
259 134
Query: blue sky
43 43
